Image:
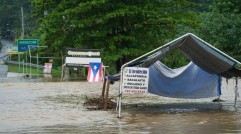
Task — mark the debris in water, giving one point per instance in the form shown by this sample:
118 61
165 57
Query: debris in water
98 103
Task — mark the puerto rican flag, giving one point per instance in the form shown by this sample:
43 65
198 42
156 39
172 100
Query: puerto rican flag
94 72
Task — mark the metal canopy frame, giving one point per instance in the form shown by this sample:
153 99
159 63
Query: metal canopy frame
118 107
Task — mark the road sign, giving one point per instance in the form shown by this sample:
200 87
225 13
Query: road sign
25 44
14 52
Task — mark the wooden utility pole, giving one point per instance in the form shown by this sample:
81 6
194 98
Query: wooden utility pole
22 24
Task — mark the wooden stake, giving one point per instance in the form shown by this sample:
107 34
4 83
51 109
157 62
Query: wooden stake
107 95
103 89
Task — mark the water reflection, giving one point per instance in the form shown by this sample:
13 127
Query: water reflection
174 107
54 107
184 118
20 77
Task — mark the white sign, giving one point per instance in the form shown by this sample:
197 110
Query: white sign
47 67
135 80
80 57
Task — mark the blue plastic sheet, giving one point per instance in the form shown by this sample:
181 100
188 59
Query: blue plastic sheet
189 81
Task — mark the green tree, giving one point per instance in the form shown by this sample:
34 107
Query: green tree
122 29
221 26
10 18
227 6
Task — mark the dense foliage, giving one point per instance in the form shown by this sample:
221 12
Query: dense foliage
221 27
124 29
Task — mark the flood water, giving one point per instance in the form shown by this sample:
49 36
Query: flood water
57 107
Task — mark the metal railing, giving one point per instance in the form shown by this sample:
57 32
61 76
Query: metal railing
23 63
5 56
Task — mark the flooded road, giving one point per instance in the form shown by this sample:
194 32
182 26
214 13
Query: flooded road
57 107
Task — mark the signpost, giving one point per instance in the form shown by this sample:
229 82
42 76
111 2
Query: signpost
25 45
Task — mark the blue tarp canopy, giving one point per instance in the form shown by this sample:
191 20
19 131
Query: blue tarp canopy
189 81
199 79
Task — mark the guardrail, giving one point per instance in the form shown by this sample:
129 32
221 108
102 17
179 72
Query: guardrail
23 63
4 56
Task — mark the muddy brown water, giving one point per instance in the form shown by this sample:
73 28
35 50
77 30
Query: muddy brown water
57 107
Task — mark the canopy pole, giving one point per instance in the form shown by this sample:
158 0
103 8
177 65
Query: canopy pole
106 95
119 96
117 104
236 91
119 113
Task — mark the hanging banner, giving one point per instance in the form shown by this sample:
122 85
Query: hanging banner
47 67
135 80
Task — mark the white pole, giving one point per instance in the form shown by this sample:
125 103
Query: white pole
37 62
18 63
26 58
63 67
120 95
23 67
236 91
30 67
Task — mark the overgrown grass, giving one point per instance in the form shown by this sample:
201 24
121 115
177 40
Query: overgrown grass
34 70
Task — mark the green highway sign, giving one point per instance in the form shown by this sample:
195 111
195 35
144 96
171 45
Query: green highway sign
25 44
